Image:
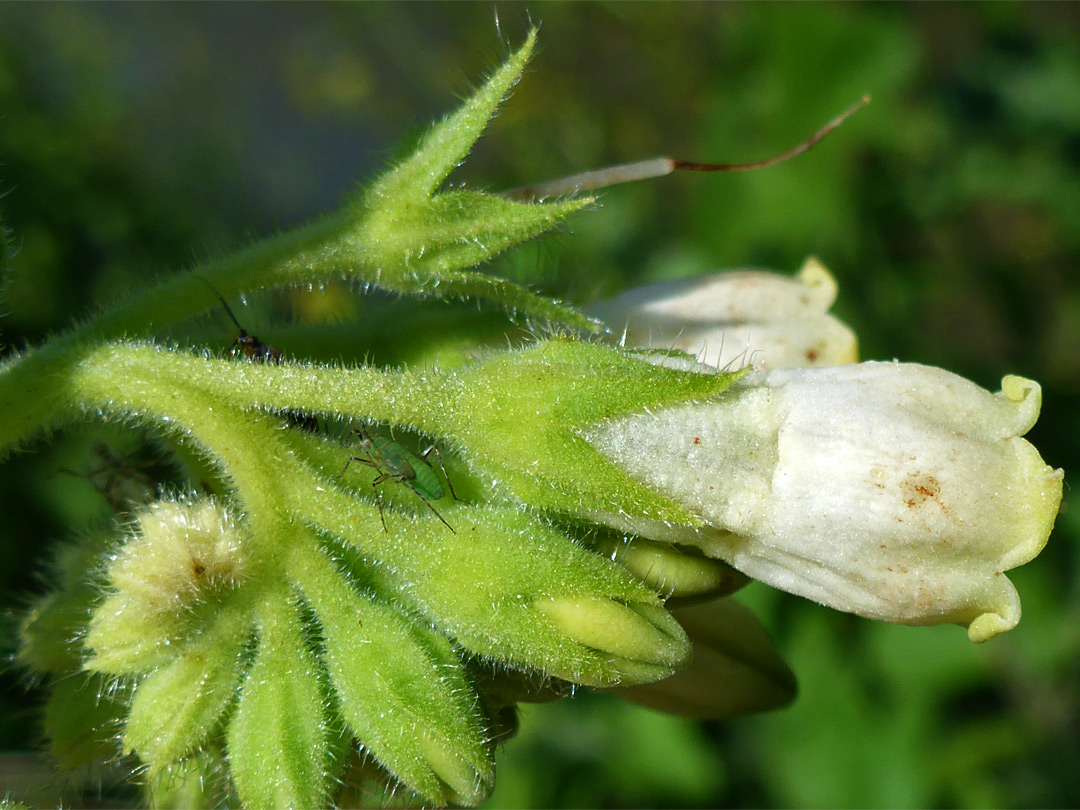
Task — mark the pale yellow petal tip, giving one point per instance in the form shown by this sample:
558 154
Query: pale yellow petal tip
1046 503
989 625
845 344
1038 502
814 274
1028 395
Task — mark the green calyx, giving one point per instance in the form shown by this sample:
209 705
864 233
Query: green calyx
328 601
188 596
333 601
399 236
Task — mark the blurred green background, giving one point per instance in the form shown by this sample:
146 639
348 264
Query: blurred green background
138 139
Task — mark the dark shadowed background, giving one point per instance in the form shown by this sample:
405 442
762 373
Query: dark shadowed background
138 139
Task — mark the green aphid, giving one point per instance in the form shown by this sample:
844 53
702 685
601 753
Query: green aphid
394 463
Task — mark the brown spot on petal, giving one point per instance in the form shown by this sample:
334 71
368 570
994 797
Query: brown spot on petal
917 489
697 440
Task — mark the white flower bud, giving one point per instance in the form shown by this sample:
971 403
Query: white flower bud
895 491
738 318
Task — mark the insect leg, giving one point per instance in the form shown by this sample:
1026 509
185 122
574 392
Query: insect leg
427 503
442 467
378 501
365 461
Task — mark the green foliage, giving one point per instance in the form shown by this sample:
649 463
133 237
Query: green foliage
272 624
279 740
946 209
179 703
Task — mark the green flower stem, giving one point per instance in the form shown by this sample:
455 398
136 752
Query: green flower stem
32 394
399 236
515 418
294 257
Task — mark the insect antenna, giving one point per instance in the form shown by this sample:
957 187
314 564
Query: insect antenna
246 342
224 303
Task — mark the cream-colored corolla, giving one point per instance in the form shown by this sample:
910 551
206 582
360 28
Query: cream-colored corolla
895 491
737 318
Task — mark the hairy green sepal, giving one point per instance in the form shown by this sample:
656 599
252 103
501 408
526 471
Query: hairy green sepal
399 235
192 692
279 741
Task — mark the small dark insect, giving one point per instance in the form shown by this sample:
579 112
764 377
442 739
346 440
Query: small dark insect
394 463
252 348
259 352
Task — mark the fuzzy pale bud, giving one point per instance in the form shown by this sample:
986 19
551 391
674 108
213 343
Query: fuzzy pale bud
180 549
644 635
162 583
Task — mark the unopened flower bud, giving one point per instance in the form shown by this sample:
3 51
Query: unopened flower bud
463 783
401 689
737 318
638 633
895 491
161 582
179 550
736 668
672 570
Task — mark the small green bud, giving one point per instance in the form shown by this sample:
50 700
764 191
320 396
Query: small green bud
458 776
278 739
401 689
671 570
125 638
177 706
637 633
